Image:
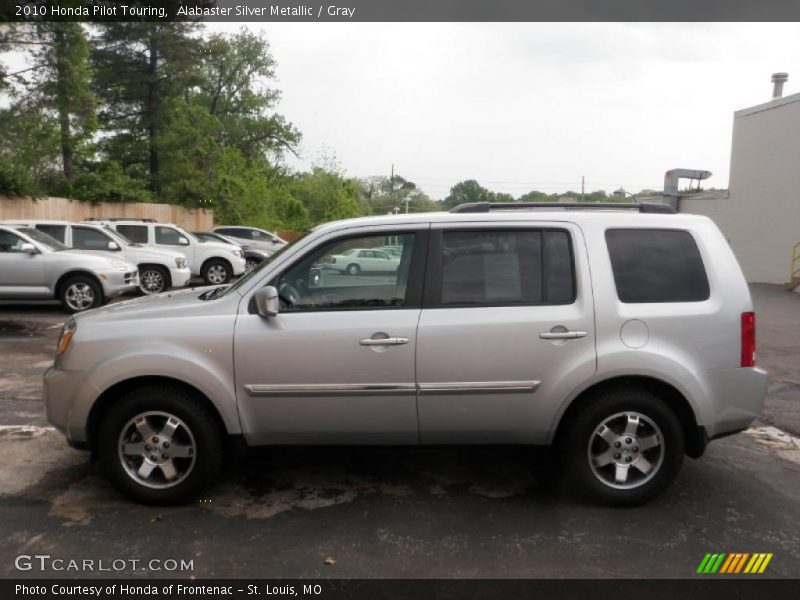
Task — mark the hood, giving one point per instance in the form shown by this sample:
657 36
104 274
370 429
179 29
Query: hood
91 259
148 252
182 303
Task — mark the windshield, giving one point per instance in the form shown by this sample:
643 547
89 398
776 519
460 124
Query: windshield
258 268
118 237
43 239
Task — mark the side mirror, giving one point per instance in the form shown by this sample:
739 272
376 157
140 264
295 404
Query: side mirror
28 248
267 301
183 241
314 277
114 246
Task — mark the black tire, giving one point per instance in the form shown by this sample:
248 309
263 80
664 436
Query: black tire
193 415
212 268
155 276
582 438
80 293
250 264
353 269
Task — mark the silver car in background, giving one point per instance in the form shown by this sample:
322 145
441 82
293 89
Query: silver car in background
34 266
619 335
159 268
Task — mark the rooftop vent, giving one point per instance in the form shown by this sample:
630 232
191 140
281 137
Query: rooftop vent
778 79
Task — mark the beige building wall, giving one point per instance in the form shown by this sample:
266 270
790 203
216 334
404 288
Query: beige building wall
761 216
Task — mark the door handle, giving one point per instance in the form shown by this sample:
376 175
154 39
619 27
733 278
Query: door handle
390 341
562 335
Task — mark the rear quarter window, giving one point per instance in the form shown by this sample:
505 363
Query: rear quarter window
656 265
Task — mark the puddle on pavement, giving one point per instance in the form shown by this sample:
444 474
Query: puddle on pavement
15 331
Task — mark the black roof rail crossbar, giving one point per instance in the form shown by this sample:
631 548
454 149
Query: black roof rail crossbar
482 207
112 219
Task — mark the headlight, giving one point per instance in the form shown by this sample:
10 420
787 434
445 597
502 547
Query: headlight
67 333
119 265
180 262
238 253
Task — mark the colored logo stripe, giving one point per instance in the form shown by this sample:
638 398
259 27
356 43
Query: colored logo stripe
737 562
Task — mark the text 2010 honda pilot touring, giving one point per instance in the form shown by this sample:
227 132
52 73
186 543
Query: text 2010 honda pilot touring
623 336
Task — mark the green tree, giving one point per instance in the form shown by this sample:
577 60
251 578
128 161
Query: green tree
55 84
233 89
467 191
140 68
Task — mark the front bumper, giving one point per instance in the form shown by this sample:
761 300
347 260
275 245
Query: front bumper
180 277
63 391
238 265
117 283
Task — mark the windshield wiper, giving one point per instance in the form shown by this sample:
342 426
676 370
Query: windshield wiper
212 293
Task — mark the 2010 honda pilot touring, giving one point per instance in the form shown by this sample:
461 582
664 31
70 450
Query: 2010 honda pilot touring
623 336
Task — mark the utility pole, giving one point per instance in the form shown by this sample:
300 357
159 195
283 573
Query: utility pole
583 185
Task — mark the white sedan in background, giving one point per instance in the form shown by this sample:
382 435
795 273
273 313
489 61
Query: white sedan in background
362 260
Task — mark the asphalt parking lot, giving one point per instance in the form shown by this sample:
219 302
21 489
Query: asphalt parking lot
399 512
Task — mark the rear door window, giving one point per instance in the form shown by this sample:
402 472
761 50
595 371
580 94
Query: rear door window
57 232
502 268
656 265
86 238
135 233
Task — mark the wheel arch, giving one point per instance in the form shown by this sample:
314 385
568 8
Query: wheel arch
63 278
221 259
106 399
694 435
164 271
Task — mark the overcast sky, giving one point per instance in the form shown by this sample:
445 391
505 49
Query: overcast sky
528 105
525 106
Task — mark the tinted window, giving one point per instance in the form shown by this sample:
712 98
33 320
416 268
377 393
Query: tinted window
168 235
481 268
656 265
54 231
135 233
85 238
333 278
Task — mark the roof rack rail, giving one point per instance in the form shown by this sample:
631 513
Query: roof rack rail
485 207
112 219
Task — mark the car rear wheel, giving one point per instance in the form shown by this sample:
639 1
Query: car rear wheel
624 448
353 269
160 445
152 280
216 272
80 293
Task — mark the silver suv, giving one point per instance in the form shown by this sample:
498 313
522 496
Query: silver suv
34 266
622 336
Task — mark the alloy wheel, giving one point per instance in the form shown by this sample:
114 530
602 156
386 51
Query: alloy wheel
79 296
157 449
626 450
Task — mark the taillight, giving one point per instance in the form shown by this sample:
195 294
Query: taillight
748 339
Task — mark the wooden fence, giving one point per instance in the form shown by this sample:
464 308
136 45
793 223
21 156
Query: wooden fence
63 209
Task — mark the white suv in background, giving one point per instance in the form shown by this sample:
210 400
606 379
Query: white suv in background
159 269
215 262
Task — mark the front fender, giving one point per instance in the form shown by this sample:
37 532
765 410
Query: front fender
198 369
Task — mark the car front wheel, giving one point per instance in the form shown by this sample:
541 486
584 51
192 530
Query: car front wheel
216 272
80 293
624 448
152 280
160 445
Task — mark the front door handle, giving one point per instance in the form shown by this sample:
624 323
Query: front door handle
389 341
562 335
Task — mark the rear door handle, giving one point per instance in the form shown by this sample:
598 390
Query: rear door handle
562 335
390 341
